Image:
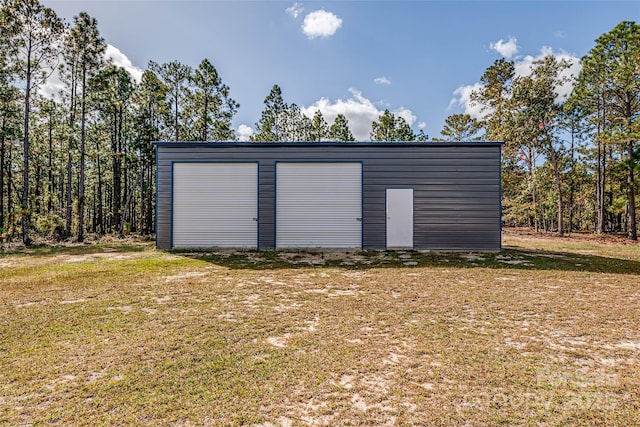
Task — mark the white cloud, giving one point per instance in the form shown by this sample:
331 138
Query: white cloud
244 133
359 111
422 125
572 73
406 114
121 60
54 84
382 80
506 49
523 68
462 95
320 23
295 10
462 98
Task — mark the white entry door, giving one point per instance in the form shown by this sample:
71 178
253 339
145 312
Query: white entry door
399 218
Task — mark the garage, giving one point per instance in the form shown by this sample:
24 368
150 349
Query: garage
318 204
361 195
215 204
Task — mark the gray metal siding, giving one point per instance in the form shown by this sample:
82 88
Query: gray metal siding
456 187
266 204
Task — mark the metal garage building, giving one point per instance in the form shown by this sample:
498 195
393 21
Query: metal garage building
424 196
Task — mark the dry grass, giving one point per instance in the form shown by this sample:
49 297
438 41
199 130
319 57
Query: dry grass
545 332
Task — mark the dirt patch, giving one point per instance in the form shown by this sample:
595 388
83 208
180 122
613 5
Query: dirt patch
203 340
74 301
184 276
280 342
108 255
122 308
608 239
7 263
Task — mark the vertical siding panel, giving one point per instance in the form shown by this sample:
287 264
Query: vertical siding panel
266 209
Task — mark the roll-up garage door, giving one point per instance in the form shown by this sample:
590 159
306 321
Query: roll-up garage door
319 205
215 204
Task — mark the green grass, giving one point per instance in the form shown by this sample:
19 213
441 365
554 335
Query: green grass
544 332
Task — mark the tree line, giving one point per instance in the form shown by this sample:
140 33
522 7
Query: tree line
81 160
569 164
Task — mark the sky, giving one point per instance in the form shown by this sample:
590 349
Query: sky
419 59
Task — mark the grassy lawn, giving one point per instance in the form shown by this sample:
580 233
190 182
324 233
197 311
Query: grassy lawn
546 332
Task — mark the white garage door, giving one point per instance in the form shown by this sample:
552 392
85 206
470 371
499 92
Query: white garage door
319 205
215 204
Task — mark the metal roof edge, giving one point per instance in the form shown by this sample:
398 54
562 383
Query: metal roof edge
327 144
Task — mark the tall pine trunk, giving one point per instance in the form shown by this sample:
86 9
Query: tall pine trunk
10 183
99 218
572 183
83 135
2 169
599 190
558 181
631 193
205 117
601 168
69 194
25 164
176 120
116 165
50 166
37 187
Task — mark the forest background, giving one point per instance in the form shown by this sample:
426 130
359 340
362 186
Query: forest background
81 161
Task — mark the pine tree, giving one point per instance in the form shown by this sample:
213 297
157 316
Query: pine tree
31 33
175 76
611 71
494 96
212 106
113 89
294 126
149 108
269 127
85 47
9 131
339 130
391 128
319 127
460 127
536 116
